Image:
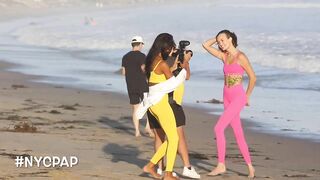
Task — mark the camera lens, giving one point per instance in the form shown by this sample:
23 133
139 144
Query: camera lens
184 43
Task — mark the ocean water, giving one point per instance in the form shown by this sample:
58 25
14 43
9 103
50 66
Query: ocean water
280 39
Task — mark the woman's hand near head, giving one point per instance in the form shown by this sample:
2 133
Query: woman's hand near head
207 45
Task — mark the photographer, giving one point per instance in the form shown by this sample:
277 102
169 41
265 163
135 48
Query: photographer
160 78
175 100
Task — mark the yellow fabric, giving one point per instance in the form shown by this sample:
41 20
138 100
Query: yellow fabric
156 78
164 114
178 94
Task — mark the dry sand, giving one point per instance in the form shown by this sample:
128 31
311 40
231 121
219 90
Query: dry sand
96 127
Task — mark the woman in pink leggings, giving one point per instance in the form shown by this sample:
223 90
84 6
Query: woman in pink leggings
234 96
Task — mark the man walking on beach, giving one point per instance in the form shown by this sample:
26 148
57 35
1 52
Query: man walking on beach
133 67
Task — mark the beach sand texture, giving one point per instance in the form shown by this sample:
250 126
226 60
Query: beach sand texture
96 127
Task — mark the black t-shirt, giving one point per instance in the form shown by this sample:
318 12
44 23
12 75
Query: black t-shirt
135 78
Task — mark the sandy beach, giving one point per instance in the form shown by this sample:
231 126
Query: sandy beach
96 127
52 120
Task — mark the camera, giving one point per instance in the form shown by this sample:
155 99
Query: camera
180 53
181 49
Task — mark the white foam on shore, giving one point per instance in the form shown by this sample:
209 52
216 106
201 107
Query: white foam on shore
73 53
288 50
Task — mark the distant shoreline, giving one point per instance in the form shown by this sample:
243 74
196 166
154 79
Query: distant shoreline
96 126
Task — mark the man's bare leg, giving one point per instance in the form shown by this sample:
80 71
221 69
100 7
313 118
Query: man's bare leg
135 120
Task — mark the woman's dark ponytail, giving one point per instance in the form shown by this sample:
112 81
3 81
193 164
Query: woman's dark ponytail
234 39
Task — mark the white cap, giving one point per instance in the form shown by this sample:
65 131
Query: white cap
137 39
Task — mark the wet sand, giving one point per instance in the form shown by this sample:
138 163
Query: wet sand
51 120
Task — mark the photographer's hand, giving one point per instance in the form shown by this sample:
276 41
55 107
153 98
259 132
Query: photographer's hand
187 55
173 51
175 65
186 60
187 68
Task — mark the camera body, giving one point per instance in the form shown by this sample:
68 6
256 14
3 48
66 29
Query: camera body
180 53
181 49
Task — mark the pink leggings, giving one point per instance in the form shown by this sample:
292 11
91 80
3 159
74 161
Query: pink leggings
234 99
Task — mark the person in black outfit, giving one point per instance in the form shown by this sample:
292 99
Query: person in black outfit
133 67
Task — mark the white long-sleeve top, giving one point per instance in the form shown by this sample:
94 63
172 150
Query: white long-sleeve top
157 92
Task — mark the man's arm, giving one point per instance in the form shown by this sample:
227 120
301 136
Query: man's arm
123 70
143 68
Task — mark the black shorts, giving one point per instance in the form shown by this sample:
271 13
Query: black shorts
135 98
178 114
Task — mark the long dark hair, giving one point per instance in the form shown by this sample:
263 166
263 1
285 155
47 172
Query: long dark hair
229 34
163 42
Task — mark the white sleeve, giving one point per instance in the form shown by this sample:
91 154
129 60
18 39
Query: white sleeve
170 84
157 92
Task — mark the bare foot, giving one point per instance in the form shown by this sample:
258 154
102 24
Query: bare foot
149 168
138 134
149 132
169 176
251 171
220 169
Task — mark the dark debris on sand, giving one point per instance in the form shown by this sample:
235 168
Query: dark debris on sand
196 155
25 127
67 107
70 107
16 86
212 101
54 112
296 176
13 156
35 174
